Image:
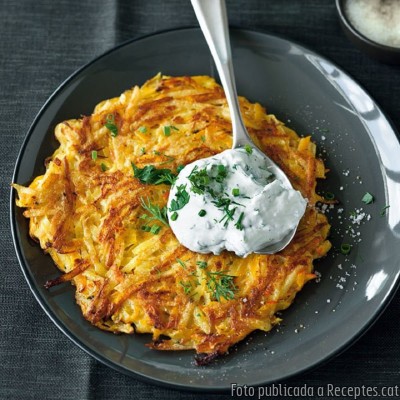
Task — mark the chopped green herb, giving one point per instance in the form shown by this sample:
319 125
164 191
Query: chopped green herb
187 286
168 128
248 148
329 196
169 160
202 213
202 264
203 138
174 216
94 155
224 204
383 211
238 224
221 169
103 167
152 175
145 228
228 215
143 150
156 212
142 129
110 125
235 192
367 198
182 263
221 285
221 174
155 229
181 198
345 248
159 272
199 180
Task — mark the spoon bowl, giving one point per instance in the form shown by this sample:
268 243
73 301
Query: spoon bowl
213 21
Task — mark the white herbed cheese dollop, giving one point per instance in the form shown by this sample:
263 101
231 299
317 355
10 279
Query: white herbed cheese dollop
232 202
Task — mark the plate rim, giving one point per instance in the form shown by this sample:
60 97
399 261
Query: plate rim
99 357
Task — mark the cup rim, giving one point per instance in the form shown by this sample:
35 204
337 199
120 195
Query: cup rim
357 34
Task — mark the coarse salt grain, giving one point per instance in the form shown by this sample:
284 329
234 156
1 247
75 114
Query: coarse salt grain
378 20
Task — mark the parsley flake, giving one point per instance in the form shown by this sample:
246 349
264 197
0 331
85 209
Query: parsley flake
248 148
181 198
110 125
187 286
174 216
345 248
155 229
368 198
168 128
238 224
181 263
202 264
199 180
156 212
167 131
383 211
221 173
152 175
221 285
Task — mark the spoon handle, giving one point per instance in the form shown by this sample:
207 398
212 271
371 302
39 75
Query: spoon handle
213 21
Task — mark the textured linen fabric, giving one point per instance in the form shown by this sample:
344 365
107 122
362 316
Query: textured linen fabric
42 43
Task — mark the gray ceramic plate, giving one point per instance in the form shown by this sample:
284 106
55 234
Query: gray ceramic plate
359 146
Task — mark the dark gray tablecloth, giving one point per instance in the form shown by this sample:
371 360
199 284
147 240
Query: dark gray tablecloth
44 41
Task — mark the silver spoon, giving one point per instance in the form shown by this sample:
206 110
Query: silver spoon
213 20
